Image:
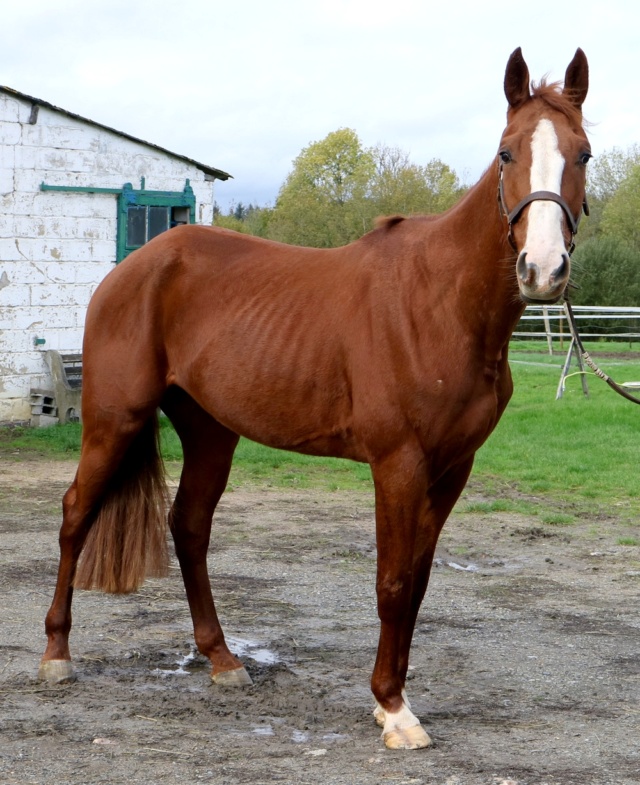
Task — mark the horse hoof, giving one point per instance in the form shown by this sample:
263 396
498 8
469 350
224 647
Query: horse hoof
238 677
414 738
56 671
379 716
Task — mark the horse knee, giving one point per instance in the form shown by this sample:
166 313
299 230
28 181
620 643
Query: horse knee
190 539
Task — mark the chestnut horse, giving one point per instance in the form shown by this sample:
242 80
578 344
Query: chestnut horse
391 350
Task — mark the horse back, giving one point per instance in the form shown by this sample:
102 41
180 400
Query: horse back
324 351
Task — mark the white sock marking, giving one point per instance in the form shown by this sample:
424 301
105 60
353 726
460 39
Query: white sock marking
399 720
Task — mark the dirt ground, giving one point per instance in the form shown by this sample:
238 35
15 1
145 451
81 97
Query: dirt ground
525 664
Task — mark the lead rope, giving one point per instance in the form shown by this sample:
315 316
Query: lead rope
587 358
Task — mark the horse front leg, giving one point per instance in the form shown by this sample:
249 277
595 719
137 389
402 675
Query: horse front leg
409 519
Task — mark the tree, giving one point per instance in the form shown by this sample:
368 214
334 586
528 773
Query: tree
248 220
400 186
621 214
608 171
337 189
605 175
607 259
444 185
239 211
318 203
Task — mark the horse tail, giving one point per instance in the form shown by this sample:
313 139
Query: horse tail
128 538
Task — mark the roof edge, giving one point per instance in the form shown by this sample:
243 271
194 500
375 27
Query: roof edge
210 172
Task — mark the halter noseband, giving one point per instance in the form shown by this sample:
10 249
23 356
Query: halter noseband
544 196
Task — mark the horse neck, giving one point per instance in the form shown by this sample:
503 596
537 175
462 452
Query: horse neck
459 269
484 269
477 222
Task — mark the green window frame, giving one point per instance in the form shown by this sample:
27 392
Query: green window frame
143 214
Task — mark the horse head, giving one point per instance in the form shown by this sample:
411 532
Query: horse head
542 169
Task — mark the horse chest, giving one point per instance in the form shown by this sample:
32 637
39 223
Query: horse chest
457 414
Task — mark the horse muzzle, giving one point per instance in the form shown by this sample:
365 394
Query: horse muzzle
543 281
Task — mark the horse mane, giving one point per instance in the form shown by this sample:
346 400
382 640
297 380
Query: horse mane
388 222
551 94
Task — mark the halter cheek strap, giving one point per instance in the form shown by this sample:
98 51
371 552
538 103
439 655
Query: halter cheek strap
545 196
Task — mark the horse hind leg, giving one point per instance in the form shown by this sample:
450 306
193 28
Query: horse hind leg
55 666
208 449
118 463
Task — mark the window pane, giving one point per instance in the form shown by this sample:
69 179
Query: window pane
179 216
136 226
158 221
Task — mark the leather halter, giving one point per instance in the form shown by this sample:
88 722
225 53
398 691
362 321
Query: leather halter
544 196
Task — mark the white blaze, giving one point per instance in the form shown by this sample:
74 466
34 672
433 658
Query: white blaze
544 243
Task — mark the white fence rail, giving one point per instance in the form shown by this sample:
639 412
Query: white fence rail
619 322
615 322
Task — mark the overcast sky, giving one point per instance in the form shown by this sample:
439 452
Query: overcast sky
245 85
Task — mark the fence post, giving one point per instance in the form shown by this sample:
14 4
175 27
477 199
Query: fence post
573 348
547 328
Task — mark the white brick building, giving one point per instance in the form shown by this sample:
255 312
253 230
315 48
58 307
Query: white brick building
76 197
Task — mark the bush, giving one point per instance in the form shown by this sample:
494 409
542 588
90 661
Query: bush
607 272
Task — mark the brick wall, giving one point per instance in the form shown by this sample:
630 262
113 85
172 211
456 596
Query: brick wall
55 247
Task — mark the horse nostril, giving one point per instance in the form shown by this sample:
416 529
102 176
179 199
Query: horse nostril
526 272
562 271
521 266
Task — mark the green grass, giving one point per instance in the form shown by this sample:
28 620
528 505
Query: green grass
255 464
628 541
557 518
540 347
58 441
578 450
498 505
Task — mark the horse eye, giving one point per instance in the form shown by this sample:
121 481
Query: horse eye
505 156
585 158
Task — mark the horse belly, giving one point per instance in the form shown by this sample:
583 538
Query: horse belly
284 392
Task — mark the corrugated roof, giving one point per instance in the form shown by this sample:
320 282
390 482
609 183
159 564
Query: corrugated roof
210 172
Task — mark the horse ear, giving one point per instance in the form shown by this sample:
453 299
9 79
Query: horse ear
516 80
576 79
